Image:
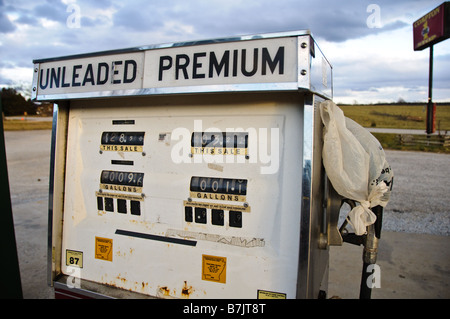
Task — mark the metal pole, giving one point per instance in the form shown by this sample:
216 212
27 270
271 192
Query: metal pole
365 291
10 285
370 253
430 110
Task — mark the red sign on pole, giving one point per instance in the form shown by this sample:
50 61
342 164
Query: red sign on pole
433 27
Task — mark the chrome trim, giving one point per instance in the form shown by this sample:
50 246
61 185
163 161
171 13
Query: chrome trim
321 73
304 60
50 197
244 87
90 289
34 83
56 190
179 44
60 286
305 213
313 260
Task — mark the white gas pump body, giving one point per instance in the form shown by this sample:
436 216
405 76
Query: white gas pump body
189 170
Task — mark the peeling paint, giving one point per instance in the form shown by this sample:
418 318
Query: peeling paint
246 242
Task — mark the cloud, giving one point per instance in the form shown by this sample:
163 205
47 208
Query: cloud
141 15
6 25
366 58
338 23
53 10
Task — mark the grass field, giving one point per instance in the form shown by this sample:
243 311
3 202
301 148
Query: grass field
19 125
406 116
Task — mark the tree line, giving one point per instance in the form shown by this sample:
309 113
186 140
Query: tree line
14 104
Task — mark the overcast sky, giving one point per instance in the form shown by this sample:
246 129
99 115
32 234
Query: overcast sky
369 43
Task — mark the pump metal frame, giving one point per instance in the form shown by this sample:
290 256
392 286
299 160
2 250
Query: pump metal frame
309 84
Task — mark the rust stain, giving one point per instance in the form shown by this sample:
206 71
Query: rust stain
165 291
186 290
122 279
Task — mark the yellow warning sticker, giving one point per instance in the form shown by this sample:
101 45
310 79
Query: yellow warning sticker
214 268
264 294
103 248
74 258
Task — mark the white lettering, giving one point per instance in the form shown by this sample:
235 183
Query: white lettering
181 150
200 309
74 20
374 19
73 281
214 152
374 280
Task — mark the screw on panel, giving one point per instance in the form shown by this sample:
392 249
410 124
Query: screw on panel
304 45
303 72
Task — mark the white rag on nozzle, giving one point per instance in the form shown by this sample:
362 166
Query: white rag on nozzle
355 164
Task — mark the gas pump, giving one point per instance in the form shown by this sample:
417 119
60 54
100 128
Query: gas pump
190 170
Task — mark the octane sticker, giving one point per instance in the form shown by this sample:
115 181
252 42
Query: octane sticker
74 258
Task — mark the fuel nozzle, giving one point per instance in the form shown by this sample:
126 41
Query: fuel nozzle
372 237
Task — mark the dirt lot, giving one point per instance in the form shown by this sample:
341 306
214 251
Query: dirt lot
419 205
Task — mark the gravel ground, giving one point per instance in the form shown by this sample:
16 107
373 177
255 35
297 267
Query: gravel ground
420 199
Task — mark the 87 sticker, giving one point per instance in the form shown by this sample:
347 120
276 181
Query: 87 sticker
74 258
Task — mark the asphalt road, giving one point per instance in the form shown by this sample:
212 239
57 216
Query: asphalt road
417 217
28 160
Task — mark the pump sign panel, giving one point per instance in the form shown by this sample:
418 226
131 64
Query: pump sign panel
260 61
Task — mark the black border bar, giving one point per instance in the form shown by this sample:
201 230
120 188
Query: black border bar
156 237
